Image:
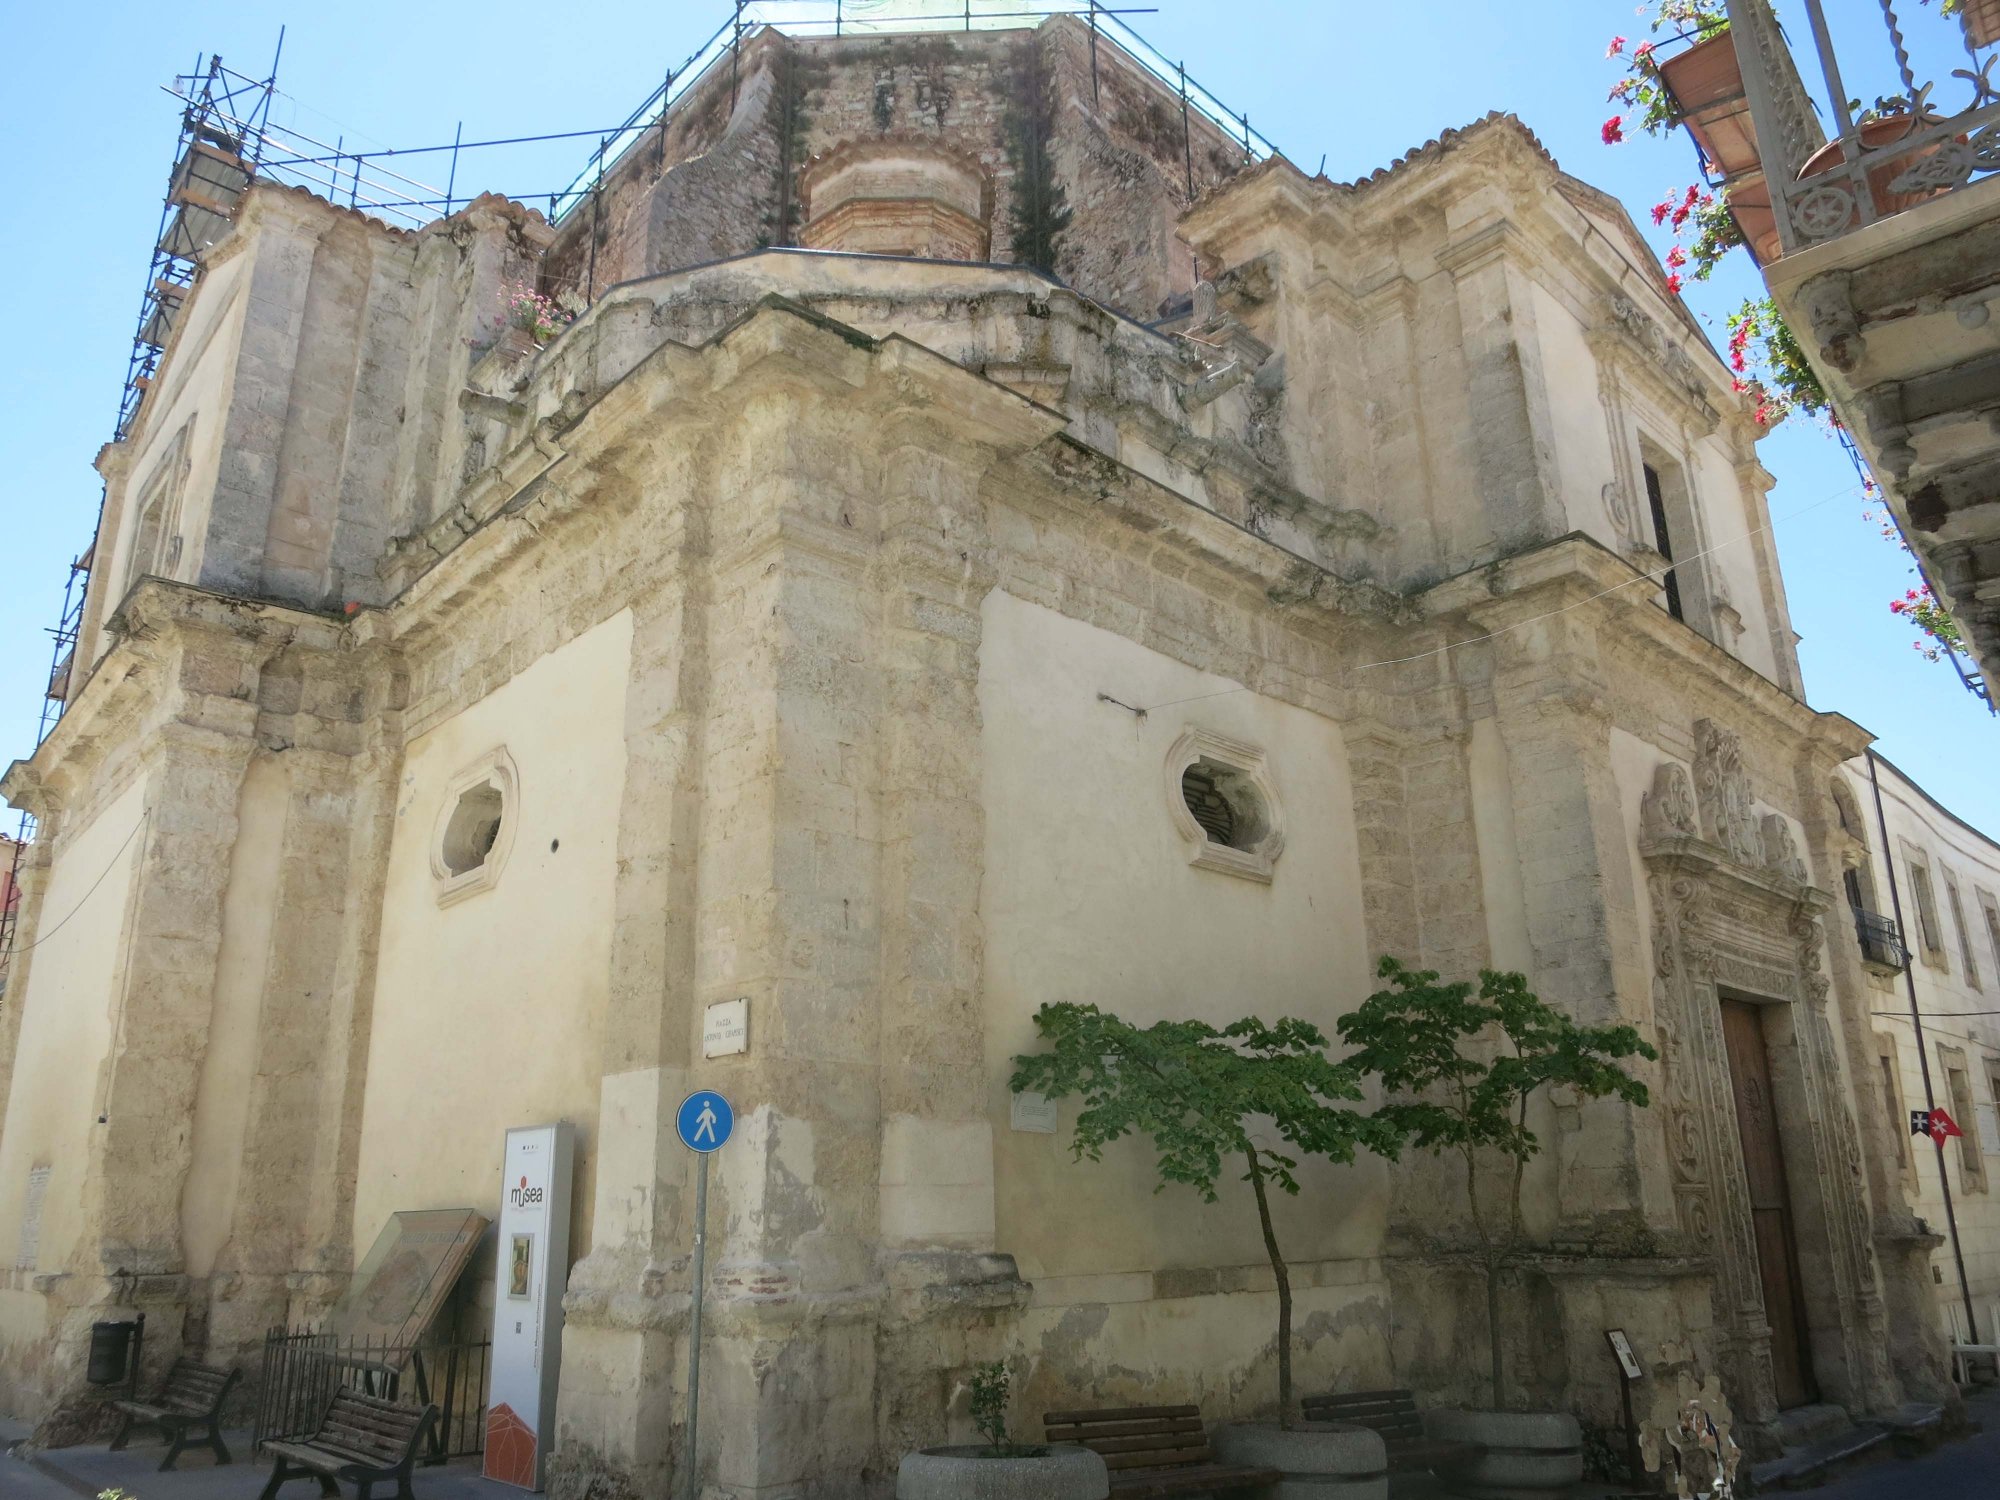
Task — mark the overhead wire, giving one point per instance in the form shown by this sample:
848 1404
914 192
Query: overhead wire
84 899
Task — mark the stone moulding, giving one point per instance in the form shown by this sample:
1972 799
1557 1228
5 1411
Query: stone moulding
496 769
1733 909
1259 859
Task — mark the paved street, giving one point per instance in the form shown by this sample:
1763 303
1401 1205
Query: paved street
65 1473
1965 1470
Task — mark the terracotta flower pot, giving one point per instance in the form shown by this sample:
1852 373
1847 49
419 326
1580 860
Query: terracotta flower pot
1707 86
1875 134
1981 19
1704 76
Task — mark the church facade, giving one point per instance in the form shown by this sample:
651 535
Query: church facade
960 463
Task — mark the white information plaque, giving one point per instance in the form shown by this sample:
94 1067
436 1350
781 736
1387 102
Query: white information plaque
527 1302
1033 1113
725 1028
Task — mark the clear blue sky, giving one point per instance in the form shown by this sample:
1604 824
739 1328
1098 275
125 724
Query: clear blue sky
89 134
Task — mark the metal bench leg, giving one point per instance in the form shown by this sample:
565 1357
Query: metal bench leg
215 1441
124 1431
176 1441
362 1487
278 1477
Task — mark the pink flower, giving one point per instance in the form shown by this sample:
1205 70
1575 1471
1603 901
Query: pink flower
1660 212
1617 46
1676 258
1897 606
1643 52
1613 131
1674 283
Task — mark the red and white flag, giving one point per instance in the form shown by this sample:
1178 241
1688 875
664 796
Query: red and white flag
1934 1123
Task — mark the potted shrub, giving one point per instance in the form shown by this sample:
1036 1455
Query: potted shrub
1876 131
1197 1092
1463 1068
998 1469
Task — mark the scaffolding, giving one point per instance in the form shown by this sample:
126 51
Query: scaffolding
228 139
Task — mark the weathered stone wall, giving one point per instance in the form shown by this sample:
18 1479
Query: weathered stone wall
1088 157
789 587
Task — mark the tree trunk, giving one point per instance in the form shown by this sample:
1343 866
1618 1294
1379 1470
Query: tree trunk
1284 1291
1493 1328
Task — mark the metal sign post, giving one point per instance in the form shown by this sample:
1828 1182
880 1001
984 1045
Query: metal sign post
704 1122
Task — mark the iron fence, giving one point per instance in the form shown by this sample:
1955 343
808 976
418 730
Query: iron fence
303 1368
1921 138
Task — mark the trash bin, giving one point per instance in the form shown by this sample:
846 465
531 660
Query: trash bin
110 1348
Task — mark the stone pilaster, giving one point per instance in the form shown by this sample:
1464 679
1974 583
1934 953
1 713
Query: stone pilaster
618 1421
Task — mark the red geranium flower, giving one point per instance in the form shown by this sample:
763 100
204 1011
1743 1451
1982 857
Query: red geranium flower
1617 46
1674 283
1613 131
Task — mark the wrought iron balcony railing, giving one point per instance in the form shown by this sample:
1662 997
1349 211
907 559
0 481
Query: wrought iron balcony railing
1881 941
1924 141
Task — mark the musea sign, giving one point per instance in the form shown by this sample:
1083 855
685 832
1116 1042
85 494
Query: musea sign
527 1302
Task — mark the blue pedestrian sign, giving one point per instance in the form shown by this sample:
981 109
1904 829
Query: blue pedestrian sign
704 1121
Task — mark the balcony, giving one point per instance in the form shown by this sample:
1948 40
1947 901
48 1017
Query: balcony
1882 947
1878 232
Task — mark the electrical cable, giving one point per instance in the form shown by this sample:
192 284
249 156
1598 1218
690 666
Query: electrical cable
85 897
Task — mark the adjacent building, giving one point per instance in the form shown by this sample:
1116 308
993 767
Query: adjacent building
1925 889
988 540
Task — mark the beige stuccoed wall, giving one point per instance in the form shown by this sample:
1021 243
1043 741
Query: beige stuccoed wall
68 1013
1951 1003
1582 440
1088 896
489 1012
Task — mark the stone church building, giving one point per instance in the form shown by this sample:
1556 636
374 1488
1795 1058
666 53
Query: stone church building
985 542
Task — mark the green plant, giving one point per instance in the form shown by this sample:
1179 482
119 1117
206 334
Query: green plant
1920 607
542 317
1641 90
1196 1091
1415 1035
989 1404
1769 364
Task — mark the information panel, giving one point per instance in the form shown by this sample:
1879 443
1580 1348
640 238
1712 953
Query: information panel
527 1302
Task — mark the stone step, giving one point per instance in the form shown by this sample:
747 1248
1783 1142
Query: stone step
1809 1463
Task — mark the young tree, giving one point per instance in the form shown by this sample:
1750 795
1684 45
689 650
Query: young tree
1198 1092
1414 1035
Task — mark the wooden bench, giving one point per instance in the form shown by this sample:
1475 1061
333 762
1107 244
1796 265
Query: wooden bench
362 1439
1152 1450
1393 1415
191 1398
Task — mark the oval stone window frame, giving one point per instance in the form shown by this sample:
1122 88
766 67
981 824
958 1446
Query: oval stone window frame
1245 765
495 769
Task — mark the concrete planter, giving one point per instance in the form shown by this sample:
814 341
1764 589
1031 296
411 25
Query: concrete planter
1529 1455
1062 1472
1320 1460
